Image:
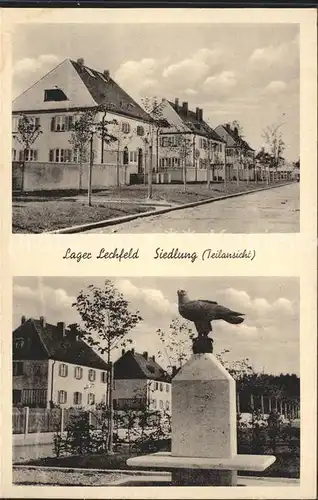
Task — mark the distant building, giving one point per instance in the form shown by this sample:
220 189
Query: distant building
56 101
205 147
51 366
239 154
141 382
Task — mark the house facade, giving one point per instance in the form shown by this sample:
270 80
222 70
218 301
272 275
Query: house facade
58 99
140 382
189 140
52 366
240 157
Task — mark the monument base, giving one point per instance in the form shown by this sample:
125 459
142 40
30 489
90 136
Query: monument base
203 477
194 471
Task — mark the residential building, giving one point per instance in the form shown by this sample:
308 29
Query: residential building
141 382
189 138
52 366
239 154
57 100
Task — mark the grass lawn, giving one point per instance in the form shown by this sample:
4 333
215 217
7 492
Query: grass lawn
287 464
52 210
38 217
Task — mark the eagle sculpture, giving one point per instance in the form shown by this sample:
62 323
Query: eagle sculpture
203 312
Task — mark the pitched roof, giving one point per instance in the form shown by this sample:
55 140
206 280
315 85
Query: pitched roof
197 126
105 90
62 348
148 368
237 138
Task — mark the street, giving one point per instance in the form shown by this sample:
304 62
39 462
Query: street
271 211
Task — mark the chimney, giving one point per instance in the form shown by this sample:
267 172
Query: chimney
42 321
176 102
106 73
185 107
80 62
123 352
61 328
153 358
132 351
236 131
23 319
227 126
197 114
145 355
201 115
174 370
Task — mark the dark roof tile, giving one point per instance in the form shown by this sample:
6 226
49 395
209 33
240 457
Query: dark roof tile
105 90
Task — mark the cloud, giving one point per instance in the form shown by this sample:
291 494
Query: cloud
275 87
57 298
150 298
258 308
31 65
137 76
286 53
190 72
221 83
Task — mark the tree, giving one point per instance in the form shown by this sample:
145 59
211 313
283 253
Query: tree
82 137
154 108
275 144
29 129
122 140
176 343
107 321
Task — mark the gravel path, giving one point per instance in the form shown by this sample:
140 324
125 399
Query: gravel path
40 476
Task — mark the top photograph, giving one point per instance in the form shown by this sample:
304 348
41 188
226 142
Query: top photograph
155 128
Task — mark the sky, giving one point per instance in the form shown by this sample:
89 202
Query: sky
243 72
268 337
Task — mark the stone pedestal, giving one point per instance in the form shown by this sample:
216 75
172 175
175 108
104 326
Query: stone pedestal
203 428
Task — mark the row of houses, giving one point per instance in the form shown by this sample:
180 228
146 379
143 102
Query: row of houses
52 367
55 102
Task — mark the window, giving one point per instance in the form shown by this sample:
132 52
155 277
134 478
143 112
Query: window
156 386
77 398
140 130
160 404
54 95
167 387
125 127
91 375
61 123
167 405
16 396
90 72
78 372
17 368
62 397
90 398
172 141
60 155
103 377
15 123
161 386
29 155
154 403
133 156
14 154
63 370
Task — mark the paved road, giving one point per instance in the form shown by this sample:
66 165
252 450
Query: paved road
274 210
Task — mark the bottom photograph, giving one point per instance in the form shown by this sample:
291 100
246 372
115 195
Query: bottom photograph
156 381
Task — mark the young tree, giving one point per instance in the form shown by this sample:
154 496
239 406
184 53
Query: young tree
83 131
122 141
29 130
154 108
107 322
176 343
275 144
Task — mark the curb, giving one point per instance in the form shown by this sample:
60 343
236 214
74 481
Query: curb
128 218
128 472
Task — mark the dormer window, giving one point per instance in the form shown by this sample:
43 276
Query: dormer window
90 72
54 94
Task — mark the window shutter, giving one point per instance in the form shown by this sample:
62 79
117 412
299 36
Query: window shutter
35 155
37 123
53 124
51 155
